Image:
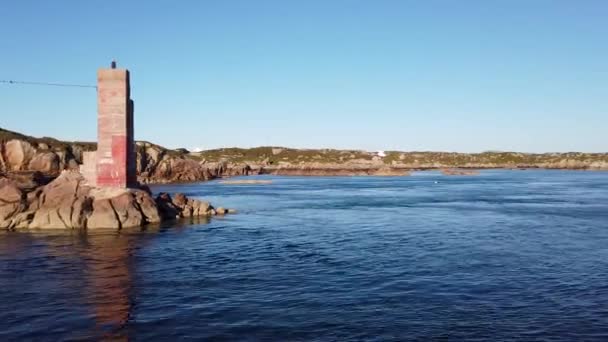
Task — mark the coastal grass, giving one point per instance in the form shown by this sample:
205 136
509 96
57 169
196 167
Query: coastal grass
275 155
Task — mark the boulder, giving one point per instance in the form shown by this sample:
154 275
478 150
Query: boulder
103 215
153 153
182 206
17 154
166 208
187 211
11 201
200 208
76 153
68 203
122 208
180 200
63 203
147 206
47 162
147 158
127 210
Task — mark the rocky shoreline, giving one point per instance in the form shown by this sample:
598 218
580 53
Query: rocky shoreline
158 165
32 201
41 186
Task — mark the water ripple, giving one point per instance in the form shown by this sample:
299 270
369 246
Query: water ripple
501 256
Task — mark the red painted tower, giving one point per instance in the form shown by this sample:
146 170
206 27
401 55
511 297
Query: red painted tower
115 143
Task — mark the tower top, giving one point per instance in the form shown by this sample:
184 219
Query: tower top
113 64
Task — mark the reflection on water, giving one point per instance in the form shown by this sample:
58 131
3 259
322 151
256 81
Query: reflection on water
107 277
95 269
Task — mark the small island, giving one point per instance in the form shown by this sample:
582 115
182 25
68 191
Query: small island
68 202
45 188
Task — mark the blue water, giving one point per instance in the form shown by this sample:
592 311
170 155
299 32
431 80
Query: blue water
501 256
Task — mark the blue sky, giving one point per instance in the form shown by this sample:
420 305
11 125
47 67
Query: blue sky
463 76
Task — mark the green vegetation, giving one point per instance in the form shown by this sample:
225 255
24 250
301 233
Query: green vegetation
273 155
498 158
269 155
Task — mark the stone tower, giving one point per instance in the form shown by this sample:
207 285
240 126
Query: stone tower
115 157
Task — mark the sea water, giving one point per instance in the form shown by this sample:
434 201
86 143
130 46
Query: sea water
502 255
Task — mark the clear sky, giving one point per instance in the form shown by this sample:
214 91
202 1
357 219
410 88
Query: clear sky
447 75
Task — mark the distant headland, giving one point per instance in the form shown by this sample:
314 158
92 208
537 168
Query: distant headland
156 164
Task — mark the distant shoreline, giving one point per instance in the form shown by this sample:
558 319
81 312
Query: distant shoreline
349 173
158 165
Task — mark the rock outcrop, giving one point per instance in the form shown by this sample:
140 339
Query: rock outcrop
46 162
12 202
156 164
159 165
18 154
68 202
